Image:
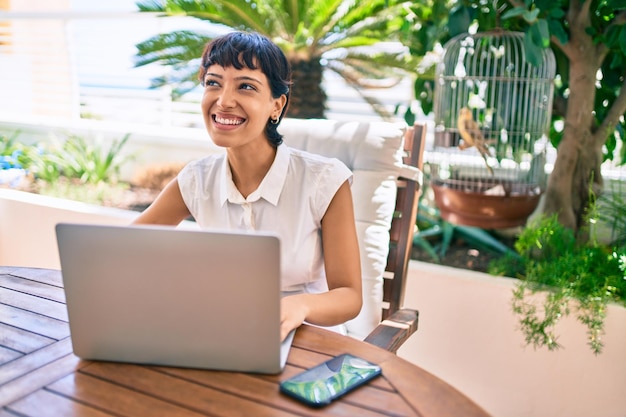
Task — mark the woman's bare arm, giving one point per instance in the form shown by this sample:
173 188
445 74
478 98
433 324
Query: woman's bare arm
344 299
167 209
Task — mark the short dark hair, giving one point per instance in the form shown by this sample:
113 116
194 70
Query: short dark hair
252 50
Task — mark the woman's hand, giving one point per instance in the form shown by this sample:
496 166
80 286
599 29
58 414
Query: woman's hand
293 312
324 309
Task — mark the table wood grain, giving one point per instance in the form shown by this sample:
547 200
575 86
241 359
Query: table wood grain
40 376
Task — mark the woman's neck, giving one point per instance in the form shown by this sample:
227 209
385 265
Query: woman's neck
249 166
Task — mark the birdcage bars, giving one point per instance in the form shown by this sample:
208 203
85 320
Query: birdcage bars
485 82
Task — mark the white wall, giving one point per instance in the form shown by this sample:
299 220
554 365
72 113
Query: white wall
27 221
468 337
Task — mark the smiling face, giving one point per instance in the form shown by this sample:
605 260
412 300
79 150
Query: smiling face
237 105
246 80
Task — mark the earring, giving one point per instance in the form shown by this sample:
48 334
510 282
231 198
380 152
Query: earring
275 121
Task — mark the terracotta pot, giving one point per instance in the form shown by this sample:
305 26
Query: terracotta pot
489 207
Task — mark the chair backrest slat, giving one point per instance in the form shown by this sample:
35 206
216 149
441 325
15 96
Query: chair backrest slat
403 223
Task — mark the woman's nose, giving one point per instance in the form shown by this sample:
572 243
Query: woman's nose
226 99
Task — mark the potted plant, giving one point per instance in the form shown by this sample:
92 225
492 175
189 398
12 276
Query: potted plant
562 274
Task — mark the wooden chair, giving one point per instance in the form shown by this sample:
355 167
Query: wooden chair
400 323
382 171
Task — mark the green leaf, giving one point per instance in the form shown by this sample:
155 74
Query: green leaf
533 51
409 116
557 13
617 63
611 145
622 40
543 32
591 31
556 29
517 11
459 21
621 127
616 5
539 34
612 36
424 93
531 15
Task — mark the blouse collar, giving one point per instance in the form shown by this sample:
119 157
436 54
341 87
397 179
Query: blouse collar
269 189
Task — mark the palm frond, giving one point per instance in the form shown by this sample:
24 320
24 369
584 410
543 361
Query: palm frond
378 24
351 42
371 75
276 18
237 14
248 14
292 14
306 30
150 6
322 16
374 103
400 60
182 80
173 48
384 10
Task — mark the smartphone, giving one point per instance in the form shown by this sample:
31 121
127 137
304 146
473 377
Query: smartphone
330 380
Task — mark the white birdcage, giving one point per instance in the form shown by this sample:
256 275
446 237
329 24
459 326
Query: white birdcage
492 114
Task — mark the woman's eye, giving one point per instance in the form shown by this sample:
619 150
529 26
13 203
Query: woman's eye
247 87
210 83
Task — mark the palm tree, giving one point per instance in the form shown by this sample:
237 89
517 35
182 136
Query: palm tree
314 35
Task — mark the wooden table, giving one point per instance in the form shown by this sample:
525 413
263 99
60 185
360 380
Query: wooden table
40 376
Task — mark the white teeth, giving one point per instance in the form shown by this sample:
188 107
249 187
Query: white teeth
228 121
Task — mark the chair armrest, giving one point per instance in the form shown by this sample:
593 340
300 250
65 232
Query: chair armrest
392 332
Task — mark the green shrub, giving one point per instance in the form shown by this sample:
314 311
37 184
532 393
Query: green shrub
46 166
90 162
73 167
14 154
582 277
102 193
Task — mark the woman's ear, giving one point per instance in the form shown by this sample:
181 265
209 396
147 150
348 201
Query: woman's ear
279 105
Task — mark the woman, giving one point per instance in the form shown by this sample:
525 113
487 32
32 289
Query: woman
259 184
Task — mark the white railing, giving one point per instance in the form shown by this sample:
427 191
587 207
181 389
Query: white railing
79 64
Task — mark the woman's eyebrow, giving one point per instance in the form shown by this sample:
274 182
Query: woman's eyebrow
247 78
240 78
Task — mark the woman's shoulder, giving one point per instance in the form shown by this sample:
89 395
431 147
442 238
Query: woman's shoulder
206 162
202 168
318 168
312 159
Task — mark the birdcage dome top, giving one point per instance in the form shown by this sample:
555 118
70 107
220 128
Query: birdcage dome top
489 73
498 54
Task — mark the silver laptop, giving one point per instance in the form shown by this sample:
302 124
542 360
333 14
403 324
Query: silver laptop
175 297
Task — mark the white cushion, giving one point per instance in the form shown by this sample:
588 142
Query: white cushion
373 151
